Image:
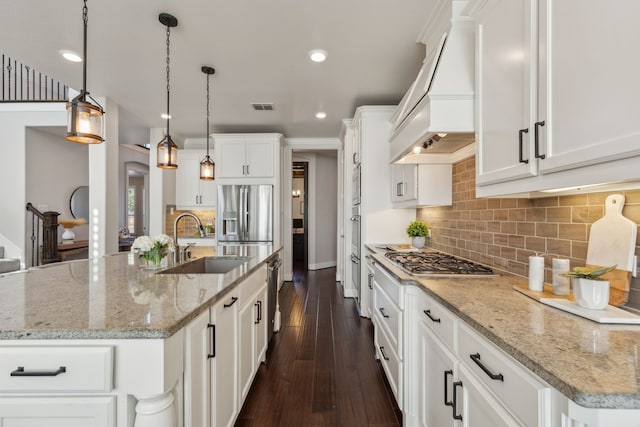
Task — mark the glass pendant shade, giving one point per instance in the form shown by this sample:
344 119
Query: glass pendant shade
167 153
207 169
84 121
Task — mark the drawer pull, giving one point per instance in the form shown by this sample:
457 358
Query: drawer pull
446 392
521 132
455 400
476 359
233 301
384 356
20 372
428 313
385 315
213 341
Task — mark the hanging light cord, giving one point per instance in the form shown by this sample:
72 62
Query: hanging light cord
208 75
168 87
85 19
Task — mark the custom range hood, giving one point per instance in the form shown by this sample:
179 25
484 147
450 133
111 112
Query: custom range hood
436 115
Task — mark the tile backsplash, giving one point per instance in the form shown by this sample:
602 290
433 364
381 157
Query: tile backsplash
504 232
187 226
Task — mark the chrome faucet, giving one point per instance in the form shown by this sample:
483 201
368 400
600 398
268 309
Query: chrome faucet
177 254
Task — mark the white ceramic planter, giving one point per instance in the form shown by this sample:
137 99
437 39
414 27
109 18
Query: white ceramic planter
418 242
589 293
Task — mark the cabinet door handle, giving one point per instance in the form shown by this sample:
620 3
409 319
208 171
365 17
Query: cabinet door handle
455 400
385 315
354 159
433 319
370 281
21 372
536 128
247 169
233 301
446 391
476 359
212 354
521 132
257 306
384 356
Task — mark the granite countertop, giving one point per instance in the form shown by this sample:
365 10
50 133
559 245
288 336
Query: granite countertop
113 298
595 365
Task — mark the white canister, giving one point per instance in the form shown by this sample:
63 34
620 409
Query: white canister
561 284
536 273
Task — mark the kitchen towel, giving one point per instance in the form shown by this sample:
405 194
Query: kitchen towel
536 273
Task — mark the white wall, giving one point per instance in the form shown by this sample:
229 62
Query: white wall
14 119
54 170
326 205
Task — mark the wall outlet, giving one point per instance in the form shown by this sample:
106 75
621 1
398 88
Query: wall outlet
429 233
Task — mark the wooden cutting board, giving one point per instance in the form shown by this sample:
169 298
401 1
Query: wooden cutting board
612 241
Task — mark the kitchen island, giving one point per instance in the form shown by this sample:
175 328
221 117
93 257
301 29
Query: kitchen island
104 339
594 365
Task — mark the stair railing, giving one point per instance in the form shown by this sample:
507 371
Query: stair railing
21 83
44 227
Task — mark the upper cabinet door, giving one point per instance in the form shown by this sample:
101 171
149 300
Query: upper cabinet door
505 89
260 159
589 82
231 159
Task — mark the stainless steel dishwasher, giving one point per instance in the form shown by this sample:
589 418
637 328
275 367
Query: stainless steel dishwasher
274 266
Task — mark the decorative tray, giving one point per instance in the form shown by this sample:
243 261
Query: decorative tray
609 314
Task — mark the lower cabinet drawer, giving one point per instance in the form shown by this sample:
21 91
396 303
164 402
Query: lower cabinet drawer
58 411
525 396
390 316
391 364
65 369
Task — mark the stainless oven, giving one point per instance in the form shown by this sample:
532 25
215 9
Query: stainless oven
355 250
355 186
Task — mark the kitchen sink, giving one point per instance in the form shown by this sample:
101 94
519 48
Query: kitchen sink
208 265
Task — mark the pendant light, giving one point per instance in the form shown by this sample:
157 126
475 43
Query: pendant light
207 167
84 119
167 150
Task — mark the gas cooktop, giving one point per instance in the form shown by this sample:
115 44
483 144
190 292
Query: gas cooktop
436 263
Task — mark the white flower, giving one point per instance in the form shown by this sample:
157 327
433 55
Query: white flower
142 244
164 240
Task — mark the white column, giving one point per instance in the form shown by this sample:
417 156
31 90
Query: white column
103 186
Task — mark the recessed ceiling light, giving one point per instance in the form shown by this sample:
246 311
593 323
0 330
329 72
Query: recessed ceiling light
318 55
165 116
321 115
70 56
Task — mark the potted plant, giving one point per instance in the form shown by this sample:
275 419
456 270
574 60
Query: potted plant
589 289
418 232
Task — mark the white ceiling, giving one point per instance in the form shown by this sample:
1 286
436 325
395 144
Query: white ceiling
258 48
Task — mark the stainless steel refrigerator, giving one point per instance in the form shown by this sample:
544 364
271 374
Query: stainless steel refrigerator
245 214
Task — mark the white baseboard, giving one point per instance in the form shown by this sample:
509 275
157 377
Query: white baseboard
349 293
322 265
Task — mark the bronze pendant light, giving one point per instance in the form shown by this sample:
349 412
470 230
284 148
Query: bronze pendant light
84 119
207 166
167 150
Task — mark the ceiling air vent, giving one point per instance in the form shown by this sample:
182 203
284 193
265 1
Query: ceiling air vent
261 106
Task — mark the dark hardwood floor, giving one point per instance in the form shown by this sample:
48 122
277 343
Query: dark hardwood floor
320 368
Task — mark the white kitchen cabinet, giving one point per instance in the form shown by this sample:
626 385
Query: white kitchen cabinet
211 374
417 185
245 157
192 193
223 350
387 316
252 329
448 358
552 110
475 406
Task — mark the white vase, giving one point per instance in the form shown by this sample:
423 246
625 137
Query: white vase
418 242
68 235
589 293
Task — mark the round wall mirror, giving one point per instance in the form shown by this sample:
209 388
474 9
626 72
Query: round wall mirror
79 203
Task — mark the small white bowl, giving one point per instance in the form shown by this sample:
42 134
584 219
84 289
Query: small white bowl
589 293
